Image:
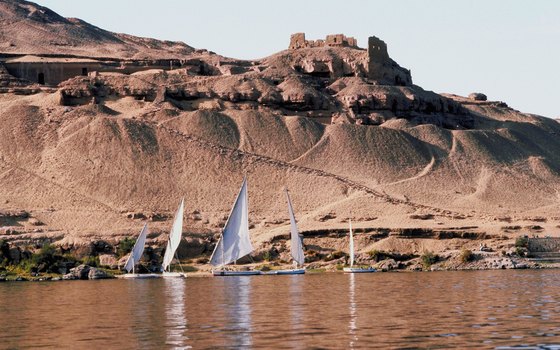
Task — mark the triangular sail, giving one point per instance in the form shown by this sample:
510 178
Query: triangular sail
235 242
137 250
351 244
174 237
297 246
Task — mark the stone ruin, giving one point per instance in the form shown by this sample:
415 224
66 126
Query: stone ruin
380 67
297 41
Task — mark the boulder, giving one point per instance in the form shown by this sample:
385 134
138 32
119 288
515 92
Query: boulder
79 272
387 265
69 276
96 274
108 260
477 96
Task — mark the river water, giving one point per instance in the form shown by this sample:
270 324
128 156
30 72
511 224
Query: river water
478 309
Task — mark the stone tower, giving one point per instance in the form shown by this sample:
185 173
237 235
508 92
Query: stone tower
382 68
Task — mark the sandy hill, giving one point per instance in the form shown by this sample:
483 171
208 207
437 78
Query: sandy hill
27 28
90 156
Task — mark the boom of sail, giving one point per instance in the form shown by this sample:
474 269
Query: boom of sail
235 242
137 250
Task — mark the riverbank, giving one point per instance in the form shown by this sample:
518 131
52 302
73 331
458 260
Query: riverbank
325 251
478 262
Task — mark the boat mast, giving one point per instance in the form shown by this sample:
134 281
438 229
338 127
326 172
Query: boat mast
351 244
222 246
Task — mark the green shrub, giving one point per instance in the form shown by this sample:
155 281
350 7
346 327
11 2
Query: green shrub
263 267
466 256
522 242
125 246
267 256
45 257
520 251
190 268
48 259
335 255
91 261
428 259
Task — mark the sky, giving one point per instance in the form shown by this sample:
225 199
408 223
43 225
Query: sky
508 50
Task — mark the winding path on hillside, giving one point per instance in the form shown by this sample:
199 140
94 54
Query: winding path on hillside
236 153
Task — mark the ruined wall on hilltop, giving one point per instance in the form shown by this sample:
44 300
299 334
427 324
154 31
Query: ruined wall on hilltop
382 68
298 41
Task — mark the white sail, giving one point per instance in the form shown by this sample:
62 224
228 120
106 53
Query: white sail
137 250
297 246
235 242
351 244
174 237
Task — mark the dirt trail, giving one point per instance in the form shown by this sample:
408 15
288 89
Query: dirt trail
235 153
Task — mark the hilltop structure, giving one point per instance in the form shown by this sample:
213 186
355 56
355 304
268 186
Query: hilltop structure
297 41
375 65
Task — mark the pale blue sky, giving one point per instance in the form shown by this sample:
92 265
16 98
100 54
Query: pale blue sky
509 50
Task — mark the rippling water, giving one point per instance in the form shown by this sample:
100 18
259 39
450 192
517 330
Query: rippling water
479 309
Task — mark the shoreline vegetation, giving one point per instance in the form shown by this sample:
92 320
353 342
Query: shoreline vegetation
51 262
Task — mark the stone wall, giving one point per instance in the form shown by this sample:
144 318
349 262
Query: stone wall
297 41
382 68
54 72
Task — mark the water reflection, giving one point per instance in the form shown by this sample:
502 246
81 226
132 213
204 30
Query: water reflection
175 313
352 310
296 307
238 313
488 309
142 310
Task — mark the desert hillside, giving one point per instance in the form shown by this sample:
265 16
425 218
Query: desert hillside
27 28
96 155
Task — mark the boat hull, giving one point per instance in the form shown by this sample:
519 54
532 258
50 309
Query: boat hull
358 270
174 275
235 273
140 275
286 272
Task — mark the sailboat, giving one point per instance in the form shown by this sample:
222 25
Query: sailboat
296 246
353 269
136 255
234 242
173 243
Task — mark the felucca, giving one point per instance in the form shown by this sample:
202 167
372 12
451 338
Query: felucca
173 243
353 269
136 255
234 242
296 245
